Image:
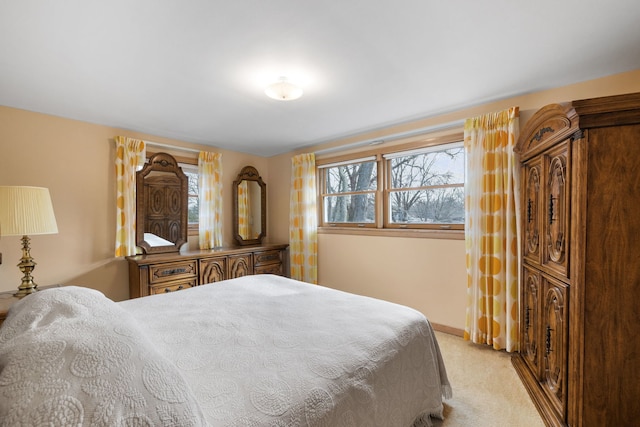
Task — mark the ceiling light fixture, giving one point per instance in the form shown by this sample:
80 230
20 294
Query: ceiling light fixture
283 90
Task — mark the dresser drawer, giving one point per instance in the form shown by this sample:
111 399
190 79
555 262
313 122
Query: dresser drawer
172 287
267 257
161 273
269 269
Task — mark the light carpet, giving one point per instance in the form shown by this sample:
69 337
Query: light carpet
487 391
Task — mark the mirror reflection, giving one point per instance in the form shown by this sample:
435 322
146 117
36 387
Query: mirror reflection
249 207
161 205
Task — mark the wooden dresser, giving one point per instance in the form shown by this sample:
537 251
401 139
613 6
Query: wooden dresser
580 296
159 273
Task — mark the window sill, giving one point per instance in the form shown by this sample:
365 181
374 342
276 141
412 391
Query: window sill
394 232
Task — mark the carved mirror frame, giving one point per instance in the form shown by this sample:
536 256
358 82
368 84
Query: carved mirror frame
249 173
171 207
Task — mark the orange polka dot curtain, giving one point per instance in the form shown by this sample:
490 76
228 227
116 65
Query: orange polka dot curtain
492 213
130 156
243 210
210 200
303 219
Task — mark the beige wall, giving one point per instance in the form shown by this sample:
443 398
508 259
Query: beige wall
75 160
426 274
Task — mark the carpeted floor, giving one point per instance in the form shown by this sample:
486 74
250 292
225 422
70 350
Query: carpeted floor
487 391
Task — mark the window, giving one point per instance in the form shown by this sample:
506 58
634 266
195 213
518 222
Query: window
402 187
191 171
350 192
426 186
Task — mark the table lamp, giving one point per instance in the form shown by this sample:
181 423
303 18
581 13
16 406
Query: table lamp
26 211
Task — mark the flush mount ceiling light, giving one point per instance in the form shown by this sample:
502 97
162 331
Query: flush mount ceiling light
283 90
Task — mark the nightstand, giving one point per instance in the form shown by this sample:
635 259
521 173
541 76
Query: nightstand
7 300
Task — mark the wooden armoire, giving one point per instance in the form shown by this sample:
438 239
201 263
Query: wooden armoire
579 353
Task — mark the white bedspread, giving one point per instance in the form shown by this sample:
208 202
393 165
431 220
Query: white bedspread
269 351
71 357
255 351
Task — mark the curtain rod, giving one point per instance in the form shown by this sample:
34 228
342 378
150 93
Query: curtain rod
393 137
172 147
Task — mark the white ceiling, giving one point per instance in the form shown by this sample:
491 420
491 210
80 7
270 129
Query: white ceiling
195 70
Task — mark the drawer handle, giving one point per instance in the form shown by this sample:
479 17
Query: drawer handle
548 339
177 289
174 271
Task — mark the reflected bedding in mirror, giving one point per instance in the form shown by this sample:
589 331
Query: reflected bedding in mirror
154 240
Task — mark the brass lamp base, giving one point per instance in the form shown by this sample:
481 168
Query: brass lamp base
26 265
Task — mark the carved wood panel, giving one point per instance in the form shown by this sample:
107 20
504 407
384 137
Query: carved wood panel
556 210
161 205
212 270
164 207
555 323
532 211
240 265
531 319
557 207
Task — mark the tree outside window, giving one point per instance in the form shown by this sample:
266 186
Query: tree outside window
351 192
427 187
420 188
191 171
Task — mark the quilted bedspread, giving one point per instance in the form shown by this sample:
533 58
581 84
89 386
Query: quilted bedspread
72 357
255 351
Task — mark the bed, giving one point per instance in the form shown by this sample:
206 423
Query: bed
259 350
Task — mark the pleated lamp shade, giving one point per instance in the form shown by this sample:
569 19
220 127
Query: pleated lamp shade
26 211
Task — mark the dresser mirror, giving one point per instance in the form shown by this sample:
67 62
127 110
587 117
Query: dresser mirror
161 205
249 207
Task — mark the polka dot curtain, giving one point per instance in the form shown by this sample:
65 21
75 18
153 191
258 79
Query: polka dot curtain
303 220
130 157
210 200
492 215
243 210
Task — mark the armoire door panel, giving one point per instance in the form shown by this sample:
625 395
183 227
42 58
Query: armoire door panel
555 330
532 210
530 320
556 210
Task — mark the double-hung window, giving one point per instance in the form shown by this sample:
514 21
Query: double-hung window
191 171
400 187
425 188
350 192
193 198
